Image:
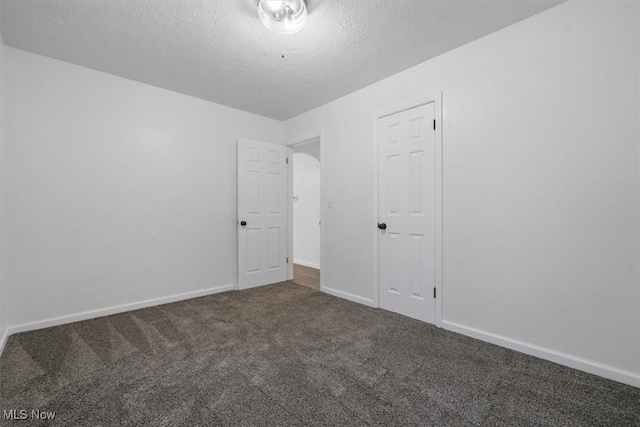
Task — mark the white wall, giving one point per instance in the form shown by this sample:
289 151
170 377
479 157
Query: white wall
3 295
306 210
116 192
541 185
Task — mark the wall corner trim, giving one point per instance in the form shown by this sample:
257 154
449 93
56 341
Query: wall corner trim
62 320
545 353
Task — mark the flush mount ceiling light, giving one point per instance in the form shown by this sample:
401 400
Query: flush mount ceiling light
285 17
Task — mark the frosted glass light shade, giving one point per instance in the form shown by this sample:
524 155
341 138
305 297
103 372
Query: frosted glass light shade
285 17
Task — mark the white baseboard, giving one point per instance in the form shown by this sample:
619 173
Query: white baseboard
575 362
551 355
57 321
4 336
307 264
348 296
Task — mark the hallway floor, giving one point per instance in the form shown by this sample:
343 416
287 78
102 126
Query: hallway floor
306 276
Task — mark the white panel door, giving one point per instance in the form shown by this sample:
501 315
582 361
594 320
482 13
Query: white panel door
407 212
262 213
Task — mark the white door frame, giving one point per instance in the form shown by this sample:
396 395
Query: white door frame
319 135
437 99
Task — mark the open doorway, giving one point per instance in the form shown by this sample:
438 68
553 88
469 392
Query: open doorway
305 211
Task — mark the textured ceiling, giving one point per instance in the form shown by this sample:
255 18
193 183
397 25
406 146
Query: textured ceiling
220 51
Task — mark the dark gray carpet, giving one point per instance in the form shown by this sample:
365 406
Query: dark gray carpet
288 355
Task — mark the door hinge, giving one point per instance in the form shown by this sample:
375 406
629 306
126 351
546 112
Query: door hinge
434 124
434 292
287 160
287 260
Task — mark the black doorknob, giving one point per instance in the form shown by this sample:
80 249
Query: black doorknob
382 226
243 223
